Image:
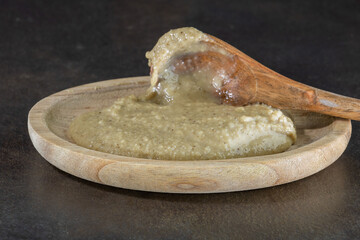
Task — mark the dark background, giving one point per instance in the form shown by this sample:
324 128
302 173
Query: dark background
48 46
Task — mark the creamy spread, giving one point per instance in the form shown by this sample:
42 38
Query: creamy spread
175 42
193 130
181 120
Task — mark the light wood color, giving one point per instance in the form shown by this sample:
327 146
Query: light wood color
248 81
321 140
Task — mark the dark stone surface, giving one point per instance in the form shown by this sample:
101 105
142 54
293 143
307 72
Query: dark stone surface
47 46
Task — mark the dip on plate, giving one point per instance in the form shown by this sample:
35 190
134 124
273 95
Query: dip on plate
178 119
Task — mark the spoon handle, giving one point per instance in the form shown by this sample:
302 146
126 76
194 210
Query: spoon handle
279 91
282 92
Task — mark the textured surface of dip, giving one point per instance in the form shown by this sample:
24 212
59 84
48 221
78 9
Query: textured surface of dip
185 131
181 119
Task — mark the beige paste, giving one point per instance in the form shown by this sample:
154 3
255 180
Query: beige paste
181 120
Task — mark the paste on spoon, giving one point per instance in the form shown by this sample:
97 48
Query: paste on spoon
179 118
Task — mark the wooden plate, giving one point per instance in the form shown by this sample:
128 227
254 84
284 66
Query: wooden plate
321 140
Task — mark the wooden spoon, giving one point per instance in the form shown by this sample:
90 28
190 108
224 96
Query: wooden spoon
247 81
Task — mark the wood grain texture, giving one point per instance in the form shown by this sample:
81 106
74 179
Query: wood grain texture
321 140
250 82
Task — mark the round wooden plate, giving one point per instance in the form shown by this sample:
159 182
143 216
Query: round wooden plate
321 140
